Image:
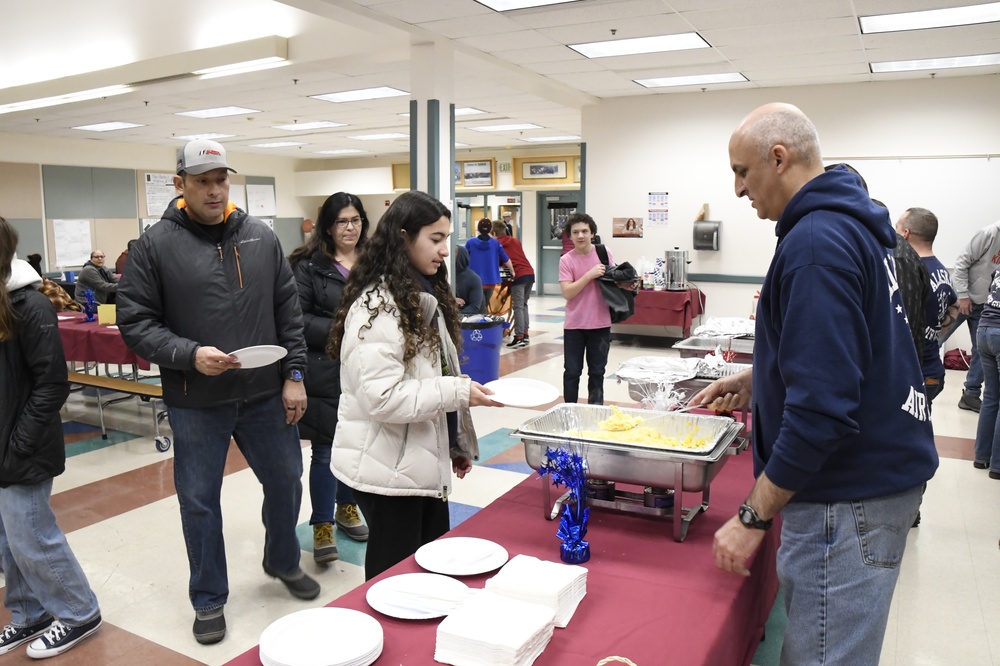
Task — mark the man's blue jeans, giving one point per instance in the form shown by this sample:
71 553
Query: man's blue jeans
974 377
271 448
838 565
323 485
987 435
43 577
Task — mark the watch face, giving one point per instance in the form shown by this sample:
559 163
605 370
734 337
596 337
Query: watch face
296 376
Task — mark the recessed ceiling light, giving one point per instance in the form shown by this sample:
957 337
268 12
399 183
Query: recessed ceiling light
361 95
207 135
55 100
107 127
539 139
931 18
459 144
217 112
468 111
376 137
319 124
936 63
505 128
241 67
696 80
339 151
658 44
510 5
277 144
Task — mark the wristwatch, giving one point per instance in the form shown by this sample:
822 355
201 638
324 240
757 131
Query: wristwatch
749 518
295 375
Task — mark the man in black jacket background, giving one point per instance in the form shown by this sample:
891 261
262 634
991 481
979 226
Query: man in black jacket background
205 281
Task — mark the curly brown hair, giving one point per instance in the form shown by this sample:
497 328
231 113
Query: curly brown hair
384 261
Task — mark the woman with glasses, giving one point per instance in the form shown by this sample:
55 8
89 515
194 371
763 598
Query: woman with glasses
321 268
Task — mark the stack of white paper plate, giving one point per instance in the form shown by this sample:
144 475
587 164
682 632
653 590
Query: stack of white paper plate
322 637
461 556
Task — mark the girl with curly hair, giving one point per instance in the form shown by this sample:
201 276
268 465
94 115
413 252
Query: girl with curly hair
404 422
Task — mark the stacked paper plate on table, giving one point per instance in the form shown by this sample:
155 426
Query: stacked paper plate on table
558 586
493 630
322 637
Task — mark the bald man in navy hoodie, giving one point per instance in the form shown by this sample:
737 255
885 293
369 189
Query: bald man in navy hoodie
843 444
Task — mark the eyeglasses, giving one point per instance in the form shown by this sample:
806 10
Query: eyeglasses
97 256
343 222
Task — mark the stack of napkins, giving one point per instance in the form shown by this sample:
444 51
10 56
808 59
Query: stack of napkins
492 630
558 586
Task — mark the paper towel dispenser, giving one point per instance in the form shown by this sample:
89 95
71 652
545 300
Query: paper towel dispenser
706 235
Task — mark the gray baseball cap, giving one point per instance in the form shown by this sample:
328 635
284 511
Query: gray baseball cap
201 155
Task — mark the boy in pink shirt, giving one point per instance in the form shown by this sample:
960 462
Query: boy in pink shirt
587 330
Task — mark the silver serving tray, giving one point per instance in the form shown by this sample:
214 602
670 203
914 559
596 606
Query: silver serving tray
699 346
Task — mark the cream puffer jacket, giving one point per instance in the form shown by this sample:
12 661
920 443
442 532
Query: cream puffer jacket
392 431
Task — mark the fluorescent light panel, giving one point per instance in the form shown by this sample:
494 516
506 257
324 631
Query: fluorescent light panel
540 139
463 111
107 127
931 18
278 144
218 112
55 100
361 95
695 80
340 151
506 128
511 5
319 124
206 135
936 63
241 67
376 137
659 44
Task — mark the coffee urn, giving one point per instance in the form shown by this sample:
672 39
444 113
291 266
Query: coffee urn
676 262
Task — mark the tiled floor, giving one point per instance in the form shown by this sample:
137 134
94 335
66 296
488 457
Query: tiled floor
117 505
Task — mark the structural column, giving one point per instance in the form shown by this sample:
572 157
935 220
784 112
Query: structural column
432 123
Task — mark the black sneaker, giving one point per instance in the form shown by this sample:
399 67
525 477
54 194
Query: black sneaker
61 637
970 402
516 342
297 582
210 625
12 637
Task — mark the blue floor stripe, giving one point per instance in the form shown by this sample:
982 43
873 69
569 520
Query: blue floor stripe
494 444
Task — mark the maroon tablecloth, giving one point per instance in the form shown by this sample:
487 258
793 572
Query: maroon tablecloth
667 308
88 341
649 598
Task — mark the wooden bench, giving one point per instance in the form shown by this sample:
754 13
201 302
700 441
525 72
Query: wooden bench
147 393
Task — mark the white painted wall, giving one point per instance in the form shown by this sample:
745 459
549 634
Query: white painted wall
678 143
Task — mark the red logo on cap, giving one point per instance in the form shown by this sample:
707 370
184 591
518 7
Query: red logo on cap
210 151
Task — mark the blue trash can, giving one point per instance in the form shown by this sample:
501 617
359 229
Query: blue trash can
480 355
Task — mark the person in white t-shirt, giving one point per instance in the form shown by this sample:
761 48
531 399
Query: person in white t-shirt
587 329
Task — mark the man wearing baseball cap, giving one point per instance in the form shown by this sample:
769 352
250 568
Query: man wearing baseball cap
206 281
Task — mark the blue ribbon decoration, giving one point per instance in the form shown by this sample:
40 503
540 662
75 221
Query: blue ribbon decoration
90 306
569 469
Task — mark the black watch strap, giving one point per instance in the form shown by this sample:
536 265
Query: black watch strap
749 517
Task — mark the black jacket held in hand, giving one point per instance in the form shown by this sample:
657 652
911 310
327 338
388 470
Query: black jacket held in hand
33 388
621 302
320 286
183 291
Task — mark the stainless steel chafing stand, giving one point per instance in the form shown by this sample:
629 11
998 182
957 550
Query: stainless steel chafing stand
742 347
679 470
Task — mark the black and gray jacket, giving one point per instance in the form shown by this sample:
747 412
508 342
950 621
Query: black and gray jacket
183 291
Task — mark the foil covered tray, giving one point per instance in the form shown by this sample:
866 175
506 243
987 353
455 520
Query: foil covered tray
571 423
742 348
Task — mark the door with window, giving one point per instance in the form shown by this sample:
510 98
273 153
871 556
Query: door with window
554 208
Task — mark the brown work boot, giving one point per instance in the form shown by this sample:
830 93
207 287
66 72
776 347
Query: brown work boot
324 546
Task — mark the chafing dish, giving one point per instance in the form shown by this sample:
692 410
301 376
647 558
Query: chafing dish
675 469
647 376
741 347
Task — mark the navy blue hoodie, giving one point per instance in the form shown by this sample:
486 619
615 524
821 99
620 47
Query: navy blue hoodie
839 412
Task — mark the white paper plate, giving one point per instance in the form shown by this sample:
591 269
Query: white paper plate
417 596
322 637
259 356
521 392
461 556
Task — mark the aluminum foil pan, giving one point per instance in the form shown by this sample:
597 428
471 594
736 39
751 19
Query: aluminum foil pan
657 370
564 419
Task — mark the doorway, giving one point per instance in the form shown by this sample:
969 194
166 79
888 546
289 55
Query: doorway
554 208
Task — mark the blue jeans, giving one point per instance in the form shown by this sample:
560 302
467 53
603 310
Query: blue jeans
838 564
271 448
43 576
974 377
595 343
323 486
520 293
987 434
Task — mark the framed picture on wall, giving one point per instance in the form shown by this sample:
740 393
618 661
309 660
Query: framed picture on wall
531 170
477 174
576 170
458 173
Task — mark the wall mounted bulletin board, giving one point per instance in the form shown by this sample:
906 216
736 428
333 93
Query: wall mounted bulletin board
556 170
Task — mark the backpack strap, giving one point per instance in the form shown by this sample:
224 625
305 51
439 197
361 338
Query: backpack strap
602 253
